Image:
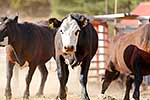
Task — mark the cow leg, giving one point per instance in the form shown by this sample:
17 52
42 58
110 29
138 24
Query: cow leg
28 80
10 67
109 77
138 78
129 82
138 81
83 78
44 73
63 73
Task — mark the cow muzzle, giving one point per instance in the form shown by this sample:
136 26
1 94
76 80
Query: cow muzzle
69 49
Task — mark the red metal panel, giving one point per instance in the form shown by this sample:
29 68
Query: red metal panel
97 68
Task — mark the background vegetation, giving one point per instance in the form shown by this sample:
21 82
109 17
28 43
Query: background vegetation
59 8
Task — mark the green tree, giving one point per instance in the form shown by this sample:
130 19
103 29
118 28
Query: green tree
36 8
90 7
60 8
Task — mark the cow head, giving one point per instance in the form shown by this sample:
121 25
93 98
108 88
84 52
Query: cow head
69 30
5 23
54 23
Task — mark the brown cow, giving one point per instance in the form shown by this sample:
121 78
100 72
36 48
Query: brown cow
30 43
129 55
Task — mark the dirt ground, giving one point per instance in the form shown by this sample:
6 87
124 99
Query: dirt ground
74 89
52 84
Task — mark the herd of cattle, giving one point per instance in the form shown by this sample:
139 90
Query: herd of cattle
73 41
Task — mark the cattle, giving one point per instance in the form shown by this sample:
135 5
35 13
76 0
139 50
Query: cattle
27 42
76 43
129 54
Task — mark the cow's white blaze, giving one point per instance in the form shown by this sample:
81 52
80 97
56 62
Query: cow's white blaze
69 31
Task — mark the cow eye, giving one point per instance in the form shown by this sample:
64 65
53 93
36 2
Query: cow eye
61 32
77 32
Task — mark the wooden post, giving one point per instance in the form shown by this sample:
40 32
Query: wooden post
115 11
106 6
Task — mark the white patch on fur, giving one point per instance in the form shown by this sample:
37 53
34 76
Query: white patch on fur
26 64
5 42
67 30
69 58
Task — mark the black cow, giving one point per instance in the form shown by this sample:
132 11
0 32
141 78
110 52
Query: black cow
30 43
76 41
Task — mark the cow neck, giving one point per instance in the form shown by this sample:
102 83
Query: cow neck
12 34
14 40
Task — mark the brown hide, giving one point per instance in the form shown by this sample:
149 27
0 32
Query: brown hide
139 38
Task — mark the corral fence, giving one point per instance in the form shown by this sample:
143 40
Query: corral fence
98 63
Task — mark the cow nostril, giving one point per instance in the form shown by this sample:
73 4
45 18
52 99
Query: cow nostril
69 48
72 47
65 47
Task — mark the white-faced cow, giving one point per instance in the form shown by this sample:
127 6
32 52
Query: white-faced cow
77 41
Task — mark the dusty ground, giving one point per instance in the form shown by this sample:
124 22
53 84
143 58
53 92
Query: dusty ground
51 87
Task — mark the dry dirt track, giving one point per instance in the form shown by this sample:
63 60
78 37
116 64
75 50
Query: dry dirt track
51 87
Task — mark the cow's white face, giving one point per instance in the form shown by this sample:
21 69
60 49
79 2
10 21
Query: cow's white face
69 31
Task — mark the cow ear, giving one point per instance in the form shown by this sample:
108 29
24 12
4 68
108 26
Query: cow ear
54 23
84 21
16 19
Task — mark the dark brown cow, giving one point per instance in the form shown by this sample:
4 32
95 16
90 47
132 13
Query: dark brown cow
130 54
30 43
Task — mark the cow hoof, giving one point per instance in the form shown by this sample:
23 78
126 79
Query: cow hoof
58 98
102 96
105 97
26 97
136 95
8 97
39 95
131 99
8 94
86 98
